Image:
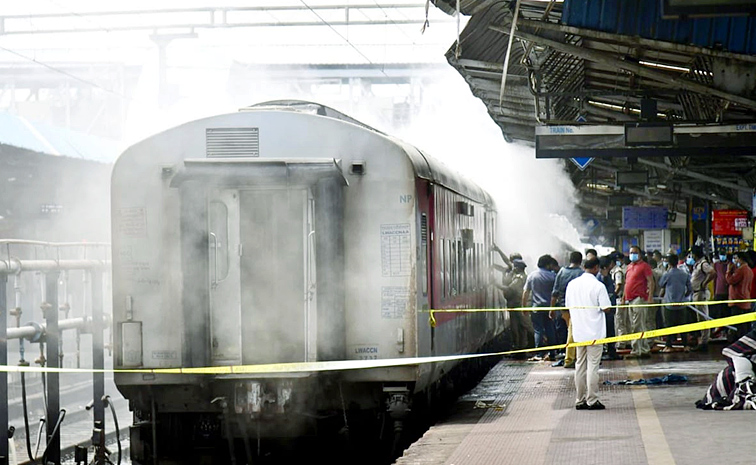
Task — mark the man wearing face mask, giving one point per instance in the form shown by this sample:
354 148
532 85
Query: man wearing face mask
739 277
622 315
639 290
703 274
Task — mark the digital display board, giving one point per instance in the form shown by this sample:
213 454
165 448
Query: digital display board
644 218
648 134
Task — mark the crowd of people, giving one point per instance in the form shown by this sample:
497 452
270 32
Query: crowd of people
618 290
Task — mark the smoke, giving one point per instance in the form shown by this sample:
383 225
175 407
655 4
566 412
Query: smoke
535 198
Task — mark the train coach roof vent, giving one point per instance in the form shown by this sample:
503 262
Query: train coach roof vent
232 142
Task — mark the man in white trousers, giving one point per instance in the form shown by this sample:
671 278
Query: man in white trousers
588 301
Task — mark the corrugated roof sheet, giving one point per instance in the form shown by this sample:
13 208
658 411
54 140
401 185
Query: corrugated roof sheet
598 60
643 18
551 79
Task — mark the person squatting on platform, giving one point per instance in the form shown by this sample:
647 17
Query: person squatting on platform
639 290
588 301
734 388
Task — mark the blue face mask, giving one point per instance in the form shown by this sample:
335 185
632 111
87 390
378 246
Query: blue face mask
723 258
665 264
619 263
738 264
634 257
690 261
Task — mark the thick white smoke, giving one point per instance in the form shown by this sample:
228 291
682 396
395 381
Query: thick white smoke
535 198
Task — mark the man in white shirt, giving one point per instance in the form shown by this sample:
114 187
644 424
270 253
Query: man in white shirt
586 296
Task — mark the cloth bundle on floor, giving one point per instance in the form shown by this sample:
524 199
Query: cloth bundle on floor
668 379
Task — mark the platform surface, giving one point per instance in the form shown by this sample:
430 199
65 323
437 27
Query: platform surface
536 421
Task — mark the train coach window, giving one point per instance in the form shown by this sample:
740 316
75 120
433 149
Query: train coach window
424 251
218 241
442 267
447 268
462 264
454 274
476 262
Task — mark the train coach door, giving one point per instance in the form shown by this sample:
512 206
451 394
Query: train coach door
277 275
225 250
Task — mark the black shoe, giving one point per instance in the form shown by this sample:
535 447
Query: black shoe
597 406
582 406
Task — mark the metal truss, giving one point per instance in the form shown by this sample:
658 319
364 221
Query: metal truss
367 14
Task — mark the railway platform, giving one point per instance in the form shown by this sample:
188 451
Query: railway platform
524 413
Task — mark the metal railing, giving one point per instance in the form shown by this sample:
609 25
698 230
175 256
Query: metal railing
48 262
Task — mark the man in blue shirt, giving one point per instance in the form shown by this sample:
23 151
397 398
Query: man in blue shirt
675 287
537 293
562 318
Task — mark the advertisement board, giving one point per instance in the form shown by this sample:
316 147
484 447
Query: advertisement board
728 222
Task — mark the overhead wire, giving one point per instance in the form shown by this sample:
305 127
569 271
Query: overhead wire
64 8
65 73
394 22
345 39
120 95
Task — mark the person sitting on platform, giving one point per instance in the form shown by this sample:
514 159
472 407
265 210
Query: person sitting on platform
734 388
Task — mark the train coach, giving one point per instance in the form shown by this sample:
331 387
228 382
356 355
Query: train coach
289 232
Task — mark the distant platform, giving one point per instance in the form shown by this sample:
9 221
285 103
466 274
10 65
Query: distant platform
526 415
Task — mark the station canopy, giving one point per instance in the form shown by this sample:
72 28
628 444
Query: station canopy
656 99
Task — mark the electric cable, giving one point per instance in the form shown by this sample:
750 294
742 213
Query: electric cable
107 401
55 431
340 35
39 435
26 419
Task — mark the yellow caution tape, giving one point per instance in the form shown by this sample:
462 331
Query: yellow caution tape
541 309
343 365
